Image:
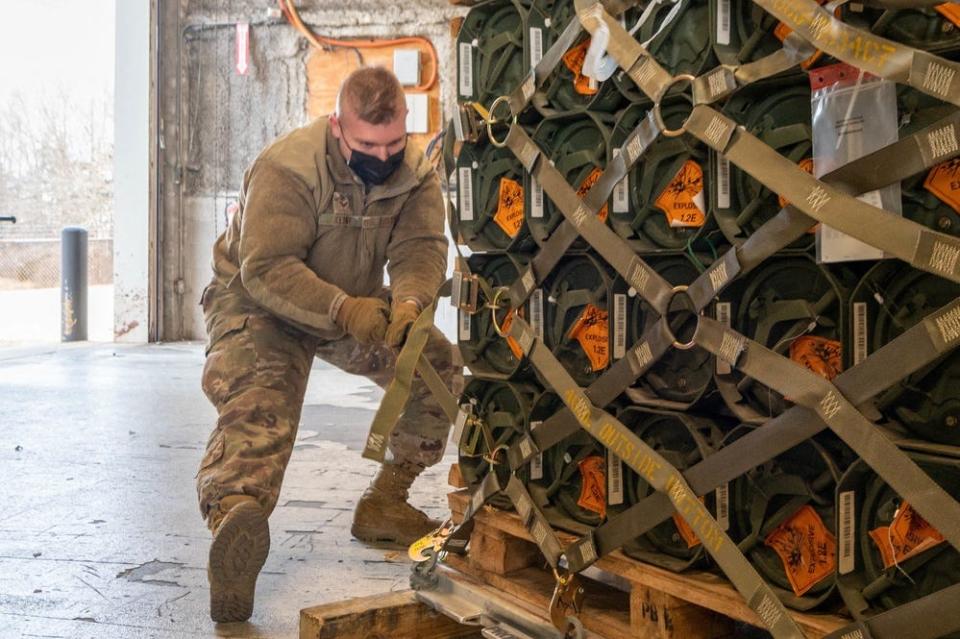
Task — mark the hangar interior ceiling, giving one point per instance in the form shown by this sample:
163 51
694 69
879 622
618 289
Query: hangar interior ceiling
213 120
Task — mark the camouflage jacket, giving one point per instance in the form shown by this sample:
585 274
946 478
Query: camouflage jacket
308 233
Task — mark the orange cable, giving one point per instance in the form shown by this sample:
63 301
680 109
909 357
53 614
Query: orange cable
321 42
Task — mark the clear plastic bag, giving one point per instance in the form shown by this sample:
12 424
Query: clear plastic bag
854 113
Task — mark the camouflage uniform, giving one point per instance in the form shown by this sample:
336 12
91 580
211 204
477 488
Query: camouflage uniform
267 315
256 375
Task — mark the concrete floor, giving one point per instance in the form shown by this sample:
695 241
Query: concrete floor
100 535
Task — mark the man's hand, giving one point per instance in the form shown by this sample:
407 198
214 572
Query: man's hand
402 316
364 318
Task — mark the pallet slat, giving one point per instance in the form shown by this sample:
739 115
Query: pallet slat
688 600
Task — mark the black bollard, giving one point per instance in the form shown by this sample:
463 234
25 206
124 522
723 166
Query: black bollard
73 284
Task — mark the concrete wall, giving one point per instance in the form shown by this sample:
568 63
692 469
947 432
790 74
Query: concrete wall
217 121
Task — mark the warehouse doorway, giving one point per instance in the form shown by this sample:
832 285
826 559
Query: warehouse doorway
56 161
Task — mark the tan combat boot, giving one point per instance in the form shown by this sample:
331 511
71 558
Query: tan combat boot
241 540
383 514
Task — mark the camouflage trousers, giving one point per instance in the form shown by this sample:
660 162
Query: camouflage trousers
255 375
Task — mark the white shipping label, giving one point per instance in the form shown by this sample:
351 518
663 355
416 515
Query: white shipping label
465 189
723 182
621 192
619 326
859 332
847 525
723 506
536 462
614 480
466 69
723 316
536 466
465 321
459 425
536 312
536 46
536 198
723 21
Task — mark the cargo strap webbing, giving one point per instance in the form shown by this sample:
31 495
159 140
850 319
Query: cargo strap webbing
913 243
655 341
910 155
914 154
649 284
910 351
409 361
819 403
929 617
807 388
633 148
887 59
663 477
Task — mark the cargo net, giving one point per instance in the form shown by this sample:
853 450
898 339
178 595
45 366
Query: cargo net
660 363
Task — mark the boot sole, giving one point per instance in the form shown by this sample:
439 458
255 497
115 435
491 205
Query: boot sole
237 554
377 536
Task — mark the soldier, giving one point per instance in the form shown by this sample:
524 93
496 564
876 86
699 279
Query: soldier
298 273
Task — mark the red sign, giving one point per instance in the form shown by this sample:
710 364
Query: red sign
242 61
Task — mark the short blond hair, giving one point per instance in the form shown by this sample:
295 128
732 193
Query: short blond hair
373 94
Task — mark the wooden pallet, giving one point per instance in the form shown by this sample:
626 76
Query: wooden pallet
647 601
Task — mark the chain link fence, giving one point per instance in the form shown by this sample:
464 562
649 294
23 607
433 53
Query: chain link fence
35 263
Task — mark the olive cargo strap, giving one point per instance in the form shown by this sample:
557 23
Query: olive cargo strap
664 478
410 360
819 404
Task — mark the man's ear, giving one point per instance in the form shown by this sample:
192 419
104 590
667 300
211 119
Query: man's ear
335 125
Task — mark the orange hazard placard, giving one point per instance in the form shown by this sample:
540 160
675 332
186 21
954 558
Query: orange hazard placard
949 10
593 485
944 182
819 354
686 532
509 215
807 549
587 184
908 535
592 331
573 59
512 343
682 199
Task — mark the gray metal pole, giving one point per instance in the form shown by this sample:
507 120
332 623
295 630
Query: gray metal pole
73 284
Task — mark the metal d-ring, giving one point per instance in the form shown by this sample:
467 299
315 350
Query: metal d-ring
491 120
658 115
680 288
494 307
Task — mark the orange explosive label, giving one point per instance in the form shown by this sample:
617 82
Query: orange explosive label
573 59
509 215
949 10
592 331
587 184
805 164
682 200
944 182
686 532
593 485
819 354
807 549
512 343
907 536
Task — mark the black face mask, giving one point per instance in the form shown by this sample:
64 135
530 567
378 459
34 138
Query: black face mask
371 169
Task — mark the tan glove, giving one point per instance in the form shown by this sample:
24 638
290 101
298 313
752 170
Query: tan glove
402 316
364 318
